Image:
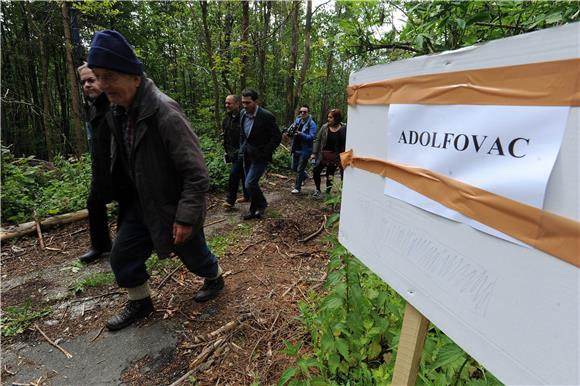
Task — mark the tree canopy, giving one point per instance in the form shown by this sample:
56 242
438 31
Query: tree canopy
292 52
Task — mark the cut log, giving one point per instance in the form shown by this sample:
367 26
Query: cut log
30 227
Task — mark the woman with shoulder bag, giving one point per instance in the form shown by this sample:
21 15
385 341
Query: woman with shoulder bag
329 143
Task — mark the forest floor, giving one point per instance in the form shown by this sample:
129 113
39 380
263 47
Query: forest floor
235 339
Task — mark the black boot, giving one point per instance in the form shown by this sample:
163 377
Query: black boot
92 255
133 311
210 289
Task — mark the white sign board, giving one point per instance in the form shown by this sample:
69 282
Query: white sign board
514 309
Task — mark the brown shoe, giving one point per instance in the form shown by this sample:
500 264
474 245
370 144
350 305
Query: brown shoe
242 199
227 205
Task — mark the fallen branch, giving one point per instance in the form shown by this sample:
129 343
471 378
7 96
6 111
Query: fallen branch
222 330
315 233
10 372
290 288
279 176
30 227
250 245
197 362
66 353
78 231
96 336
215 222
98 296
168 276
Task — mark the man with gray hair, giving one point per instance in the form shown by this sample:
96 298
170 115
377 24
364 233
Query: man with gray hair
160 176
99 135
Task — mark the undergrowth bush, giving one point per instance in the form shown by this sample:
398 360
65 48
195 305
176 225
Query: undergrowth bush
353 331
213 152
33 189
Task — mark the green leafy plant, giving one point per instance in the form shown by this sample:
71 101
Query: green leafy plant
33 190
21 181
353 331
155 265
16 319
213 152
96 280
220 243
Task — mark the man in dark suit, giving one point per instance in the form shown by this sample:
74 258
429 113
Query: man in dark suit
260 137
231 131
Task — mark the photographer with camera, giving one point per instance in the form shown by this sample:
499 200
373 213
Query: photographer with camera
302 132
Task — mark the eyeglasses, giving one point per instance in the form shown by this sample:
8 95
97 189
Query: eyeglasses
303 112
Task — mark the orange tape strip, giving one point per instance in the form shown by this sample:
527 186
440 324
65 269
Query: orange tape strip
537 84
548 232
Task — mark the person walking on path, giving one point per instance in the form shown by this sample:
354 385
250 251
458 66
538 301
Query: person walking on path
231 132
160 177
329 143
260 137
99 136
303 132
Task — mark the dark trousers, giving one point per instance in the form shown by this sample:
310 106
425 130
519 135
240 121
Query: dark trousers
299 162
98 224
255 169
133 246
330 170
237 175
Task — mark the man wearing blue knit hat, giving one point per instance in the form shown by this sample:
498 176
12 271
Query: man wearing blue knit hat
160 177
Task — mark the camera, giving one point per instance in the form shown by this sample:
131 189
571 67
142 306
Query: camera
291 131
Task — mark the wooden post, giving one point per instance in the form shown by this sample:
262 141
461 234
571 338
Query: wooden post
411 344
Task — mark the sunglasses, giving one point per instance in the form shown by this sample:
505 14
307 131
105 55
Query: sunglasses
303 112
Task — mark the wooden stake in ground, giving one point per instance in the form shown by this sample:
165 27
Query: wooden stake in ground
39 232
413 335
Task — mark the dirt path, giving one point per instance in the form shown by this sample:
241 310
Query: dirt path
235 339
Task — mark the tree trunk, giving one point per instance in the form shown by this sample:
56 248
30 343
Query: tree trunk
209 51
226 49
245 43
307 50
46 121
32 117
329 65
292 64
262 49
72 78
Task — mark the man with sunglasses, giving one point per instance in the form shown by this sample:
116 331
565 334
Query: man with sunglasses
96 106
302 138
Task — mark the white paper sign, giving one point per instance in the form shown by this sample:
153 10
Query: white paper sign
507 150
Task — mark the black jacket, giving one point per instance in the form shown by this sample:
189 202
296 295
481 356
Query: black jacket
264 137
165 167
231 127
100 146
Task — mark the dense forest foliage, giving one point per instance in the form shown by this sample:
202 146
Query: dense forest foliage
292 52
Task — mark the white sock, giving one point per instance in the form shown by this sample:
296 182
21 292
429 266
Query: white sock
219 273
139 292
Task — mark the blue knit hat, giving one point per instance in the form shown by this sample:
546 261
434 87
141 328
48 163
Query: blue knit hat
109 49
